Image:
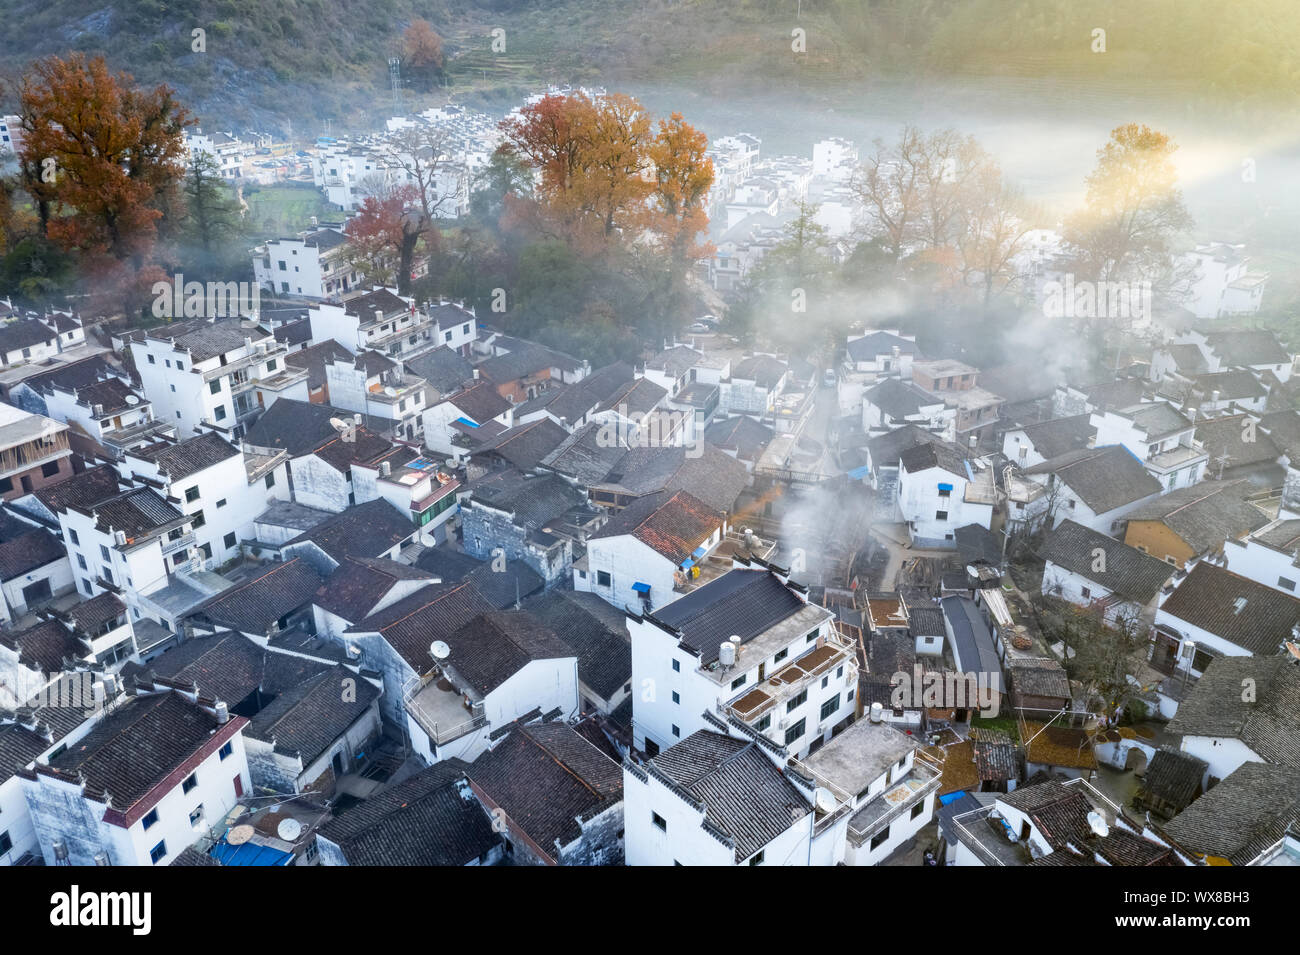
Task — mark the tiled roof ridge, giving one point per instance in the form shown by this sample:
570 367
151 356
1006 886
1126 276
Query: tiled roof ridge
456 588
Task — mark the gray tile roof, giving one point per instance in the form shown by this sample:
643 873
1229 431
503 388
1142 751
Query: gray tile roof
743 603
492 647
1254 617
432 613
546 777
1104 478
744 795
366 530
597 633
1174 777
308 718
1267 724
1059 435
1126 570
137 746
179 461
22 555
430 819
1205 514
255 605
1243 815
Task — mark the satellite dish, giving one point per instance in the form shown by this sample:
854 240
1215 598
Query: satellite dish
1097 824
289 830
239 835
439 650
824 799
972 570
132 400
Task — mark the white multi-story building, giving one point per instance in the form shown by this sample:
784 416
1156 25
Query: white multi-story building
111 412
375 386
1159 436
381 320
1223 284
939 491
313 264
226 149
217 374
643 557
785 672
218 490
151 777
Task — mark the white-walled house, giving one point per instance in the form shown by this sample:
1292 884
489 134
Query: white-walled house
1267 556
209 478
1159 436
894 403
1091 569
1223 285
313 264
1241 710
939 491
375 386
501 666
716 798
1223 615
383 321
150 778
789 675
110 412
1095 487
642 557
216 373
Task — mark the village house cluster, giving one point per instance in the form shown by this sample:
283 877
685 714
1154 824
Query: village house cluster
361 579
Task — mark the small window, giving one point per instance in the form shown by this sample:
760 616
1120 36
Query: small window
764 724
940 515
191 781
781 656
794 732
196 817
82 562
797 701
1286 584
199 520
602 578
214 386
918 809
677 697
659 821
270 480
158 852
229 540
103 552
738 682
756 858
880 838
1085 593
830 706
677 666
192 494
221 503
180 366
677 730
150 818
226 750
151 360
220 413
73 535
272 365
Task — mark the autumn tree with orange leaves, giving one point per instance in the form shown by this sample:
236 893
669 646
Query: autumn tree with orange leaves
607 177
102 160
380 238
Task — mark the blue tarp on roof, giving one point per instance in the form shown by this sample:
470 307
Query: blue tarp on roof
641 588
945 487
249 854
698 552
687 564
858 474
466 422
